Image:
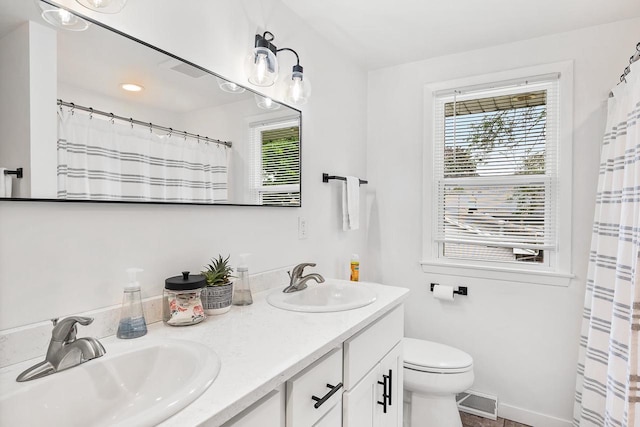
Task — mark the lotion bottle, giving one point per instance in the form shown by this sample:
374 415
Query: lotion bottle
132 323
355 268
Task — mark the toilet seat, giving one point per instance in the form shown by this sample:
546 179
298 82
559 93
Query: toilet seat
427 356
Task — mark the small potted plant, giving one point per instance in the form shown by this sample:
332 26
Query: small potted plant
216 296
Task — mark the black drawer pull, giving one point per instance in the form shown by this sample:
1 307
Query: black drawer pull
320 401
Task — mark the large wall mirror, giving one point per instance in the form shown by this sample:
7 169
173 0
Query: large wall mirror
185 136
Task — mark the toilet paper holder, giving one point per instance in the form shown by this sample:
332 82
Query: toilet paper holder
462 290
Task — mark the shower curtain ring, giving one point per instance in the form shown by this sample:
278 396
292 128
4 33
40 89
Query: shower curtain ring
150 127
112 118
185 136
91 113
170 132
73 108
131 122
198 136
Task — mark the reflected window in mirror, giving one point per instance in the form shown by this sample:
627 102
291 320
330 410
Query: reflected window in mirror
275 150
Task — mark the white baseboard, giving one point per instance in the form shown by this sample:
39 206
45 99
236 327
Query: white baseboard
530 418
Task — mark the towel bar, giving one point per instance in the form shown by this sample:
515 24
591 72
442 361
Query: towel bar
17 172
326 177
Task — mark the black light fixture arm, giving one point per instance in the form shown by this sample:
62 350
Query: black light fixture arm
265 40
294 52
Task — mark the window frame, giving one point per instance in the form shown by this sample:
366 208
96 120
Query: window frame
556 270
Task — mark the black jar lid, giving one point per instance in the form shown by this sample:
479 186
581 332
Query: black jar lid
185 282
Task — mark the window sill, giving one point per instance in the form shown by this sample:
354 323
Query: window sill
496 273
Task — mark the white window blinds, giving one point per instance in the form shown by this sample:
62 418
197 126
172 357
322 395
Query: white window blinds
276 177
496 170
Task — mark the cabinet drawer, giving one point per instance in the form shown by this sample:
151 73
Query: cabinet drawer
301 409
365 349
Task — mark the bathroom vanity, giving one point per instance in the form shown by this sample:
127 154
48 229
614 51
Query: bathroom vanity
269 367
274 362
357 384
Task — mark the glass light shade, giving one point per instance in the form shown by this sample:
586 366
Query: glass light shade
266 103
298 88
104 6
228 86
261 67
62 18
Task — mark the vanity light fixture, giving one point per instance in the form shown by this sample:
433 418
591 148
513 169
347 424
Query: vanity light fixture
262 64
104 6
62 18
262 70
131 87
227 86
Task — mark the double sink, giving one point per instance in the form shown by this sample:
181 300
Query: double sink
145 381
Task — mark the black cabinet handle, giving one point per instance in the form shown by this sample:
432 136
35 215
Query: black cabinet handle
385 393
390 386
321 400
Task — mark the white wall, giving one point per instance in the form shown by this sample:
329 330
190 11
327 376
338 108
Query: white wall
14 116
62 258
42 95
523 337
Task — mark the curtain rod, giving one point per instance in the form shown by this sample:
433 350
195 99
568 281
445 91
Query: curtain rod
633 58
140 123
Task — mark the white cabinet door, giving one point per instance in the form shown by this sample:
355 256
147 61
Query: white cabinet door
391 372
360 404
333 418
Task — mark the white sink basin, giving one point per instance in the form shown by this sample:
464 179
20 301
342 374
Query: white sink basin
333 295
137 383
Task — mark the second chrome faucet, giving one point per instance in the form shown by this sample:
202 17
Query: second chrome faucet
297 281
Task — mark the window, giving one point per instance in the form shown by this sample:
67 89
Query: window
496 185
276 158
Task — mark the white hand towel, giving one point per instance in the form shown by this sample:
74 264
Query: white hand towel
5 183
351 204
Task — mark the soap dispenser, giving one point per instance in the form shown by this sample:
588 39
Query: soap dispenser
132 323
242 288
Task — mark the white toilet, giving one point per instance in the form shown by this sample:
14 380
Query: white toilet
433 375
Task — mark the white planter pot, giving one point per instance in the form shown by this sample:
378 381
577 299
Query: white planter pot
217 299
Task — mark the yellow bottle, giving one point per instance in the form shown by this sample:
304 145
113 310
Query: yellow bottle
355 268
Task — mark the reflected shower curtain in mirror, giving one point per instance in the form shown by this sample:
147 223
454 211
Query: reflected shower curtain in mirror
608 367
111 160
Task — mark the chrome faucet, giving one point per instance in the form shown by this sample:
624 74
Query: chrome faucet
297 281
65 351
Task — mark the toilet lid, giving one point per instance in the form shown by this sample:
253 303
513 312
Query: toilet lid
429 356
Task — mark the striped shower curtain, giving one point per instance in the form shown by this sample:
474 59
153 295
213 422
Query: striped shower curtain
608 368
111 160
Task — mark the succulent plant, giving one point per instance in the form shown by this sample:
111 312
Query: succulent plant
218 272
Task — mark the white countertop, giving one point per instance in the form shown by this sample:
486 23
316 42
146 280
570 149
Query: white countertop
261 346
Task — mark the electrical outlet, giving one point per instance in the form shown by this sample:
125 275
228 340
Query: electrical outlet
302 227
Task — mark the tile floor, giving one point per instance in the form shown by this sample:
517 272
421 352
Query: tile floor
469 420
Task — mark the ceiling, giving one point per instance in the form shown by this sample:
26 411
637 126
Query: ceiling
381 33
